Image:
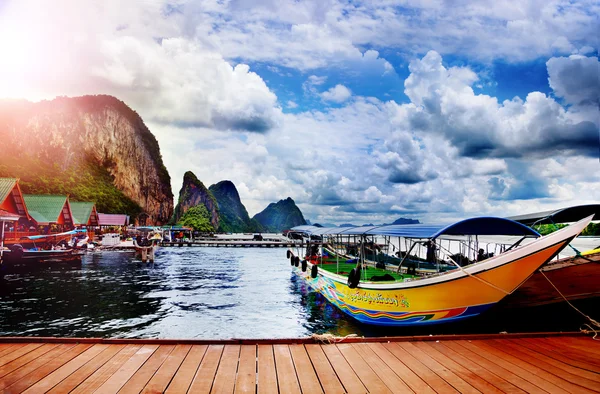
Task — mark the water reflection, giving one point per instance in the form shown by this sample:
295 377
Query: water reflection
205 293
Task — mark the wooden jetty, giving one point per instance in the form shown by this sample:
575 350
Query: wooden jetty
536 363
234 244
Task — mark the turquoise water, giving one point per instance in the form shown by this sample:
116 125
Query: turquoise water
203 293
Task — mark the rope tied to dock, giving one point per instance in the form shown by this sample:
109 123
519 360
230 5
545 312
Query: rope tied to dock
592 321
330 338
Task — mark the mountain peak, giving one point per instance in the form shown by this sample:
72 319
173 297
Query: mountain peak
280 216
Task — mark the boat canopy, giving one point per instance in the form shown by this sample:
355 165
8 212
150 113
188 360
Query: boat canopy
472 226
563 215
34 237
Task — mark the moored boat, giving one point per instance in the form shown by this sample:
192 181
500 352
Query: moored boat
394 297
573 275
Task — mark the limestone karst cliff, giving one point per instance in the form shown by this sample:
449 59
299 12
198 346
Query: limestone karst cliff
279 216
193 193
233 216
94 148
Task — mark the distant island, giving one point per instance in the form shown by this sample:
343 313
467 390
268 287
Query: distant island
397 221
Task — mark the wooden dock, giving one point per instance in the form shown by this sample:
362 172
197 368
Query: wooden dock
536 363
234 244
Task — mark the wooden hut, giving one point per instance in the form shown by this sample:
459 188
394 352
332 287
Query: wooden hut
11 198
84 213
46 210
112 220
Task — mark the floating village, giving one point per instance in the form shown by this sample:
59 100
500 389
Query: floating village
299 197
395 275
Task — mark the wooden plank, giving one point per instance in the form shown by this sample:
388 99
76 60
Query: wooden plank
204 377
103 373
584 355
225 378
286 371
550 352
385 373
19 362
554 362
507 363
114 383
19 352
440 370
19 373
343 370
246 377
406 374
309 383
507 354
267 376
430 377
516 380
461 357
470 377
327 377
516 351
185 374
366 375
142 376
167 370
88 369
47 368
67 369
581 343
7 348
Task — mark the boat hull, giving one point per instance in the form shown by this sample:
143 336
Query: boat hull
577 278
451 296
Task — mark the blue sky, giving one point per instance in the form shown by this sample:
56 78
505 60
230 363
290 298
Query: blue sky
359 111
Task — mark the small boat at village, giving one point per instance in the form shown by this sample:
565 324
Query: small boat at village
398 295
49 248
573 275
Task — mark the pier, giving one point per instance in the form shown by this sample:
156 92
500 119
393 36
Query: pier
468 363
232 243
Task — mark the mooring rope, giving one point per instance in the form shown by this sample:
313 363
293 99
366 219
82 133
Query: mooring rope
330 338
473 276
592 321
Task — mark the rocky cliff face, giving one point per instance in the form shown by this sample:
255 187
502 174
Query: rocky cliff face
92 141
280 216
192 193
232 213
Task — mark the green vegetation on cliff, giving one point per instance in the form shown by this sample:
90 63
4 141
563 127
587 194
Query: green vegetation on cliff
280 216
194 193
198 218
85 181
233 216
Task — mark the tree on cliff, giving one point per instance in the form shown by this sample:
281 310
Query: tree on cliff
198 218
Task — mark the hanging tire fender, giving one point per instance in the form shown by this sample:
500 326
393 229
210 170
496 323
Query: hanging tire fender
354 278
314 271
296 261
304 265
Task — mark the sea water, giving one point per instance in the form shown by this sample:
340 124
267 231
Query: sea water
205 293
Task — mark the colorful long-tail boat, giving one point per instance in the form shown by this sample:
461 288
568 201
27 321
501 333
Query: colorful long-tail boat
398 295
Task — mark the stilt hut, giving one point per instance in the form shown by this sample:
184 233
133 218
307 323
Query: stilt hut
84 213
47 210
11 206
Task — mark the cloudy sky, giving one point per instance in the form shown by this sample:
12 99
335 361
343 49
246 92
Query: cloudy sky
360 111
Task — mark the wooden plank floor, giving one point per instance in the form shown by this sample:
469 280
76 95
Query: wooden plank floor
466 364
